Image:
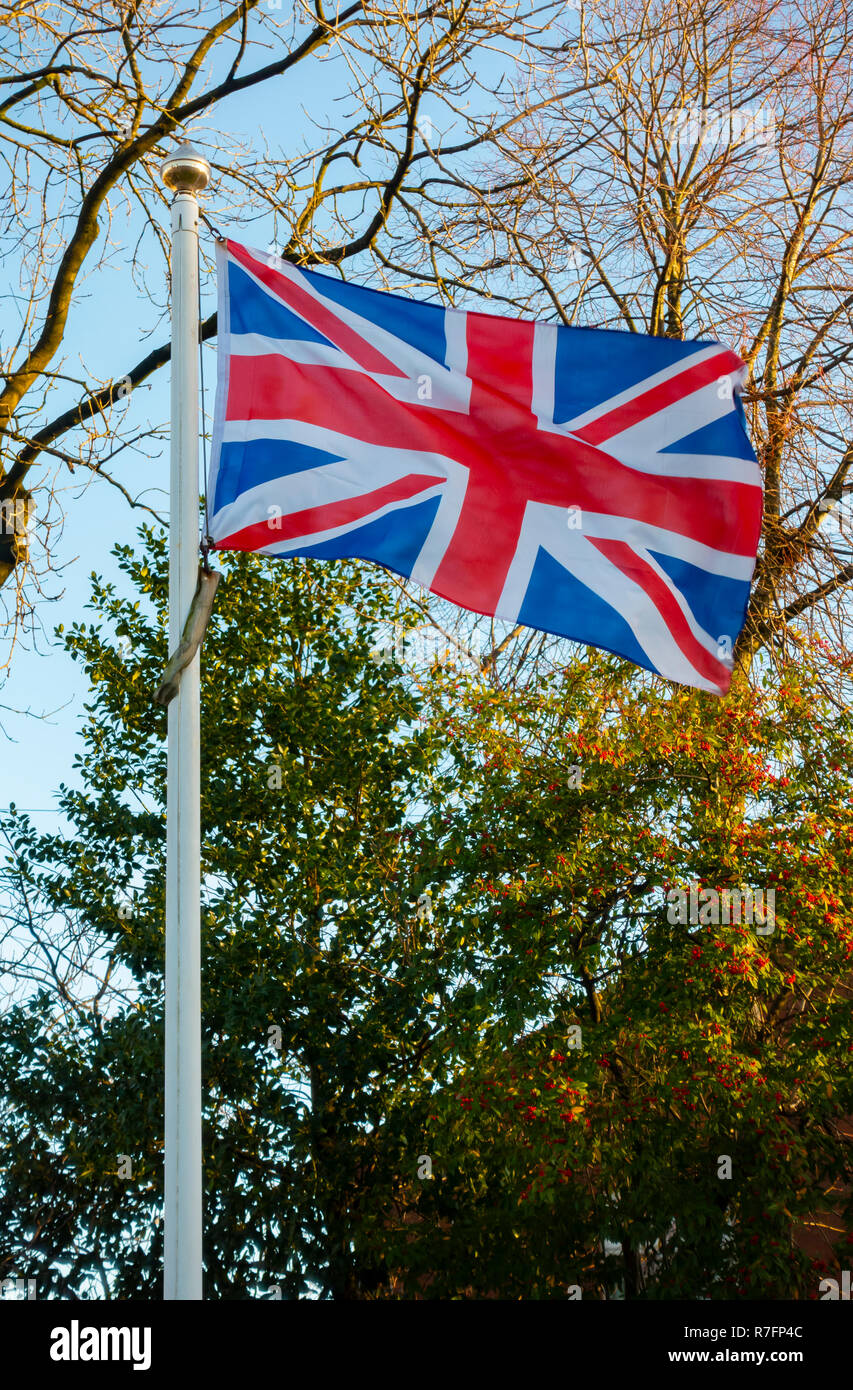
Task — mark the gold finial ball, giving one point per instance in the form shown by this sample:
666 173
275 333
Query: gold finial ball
185 170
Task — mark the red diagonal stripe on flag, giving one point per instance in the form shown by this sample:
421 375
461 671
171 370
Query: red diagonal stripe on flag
620 554
326 517
666 393
316 314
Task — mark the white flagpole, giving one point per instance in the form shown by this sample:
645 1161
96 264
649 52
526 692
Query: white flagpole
185 172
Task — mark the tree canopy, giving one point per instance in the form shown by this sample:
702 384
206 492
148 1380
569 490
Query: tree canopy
467 1098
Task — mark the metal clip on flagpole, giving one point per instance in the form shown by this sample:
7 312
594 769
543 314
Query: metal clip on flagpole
186 173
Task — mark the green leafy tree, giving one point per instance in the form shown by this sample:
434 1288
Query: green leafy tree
656 1102
549 1078
315 982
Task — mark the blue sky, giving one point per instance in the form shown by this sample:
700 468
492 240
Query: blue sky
38 754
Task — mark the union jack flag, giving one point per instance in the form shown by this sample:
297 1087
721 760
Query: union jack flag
594 484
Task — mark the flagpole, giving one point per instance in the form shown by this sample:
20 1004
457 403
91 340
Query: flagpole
185 172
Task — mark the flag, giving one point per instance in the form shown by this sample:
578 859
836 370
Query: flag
595 484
